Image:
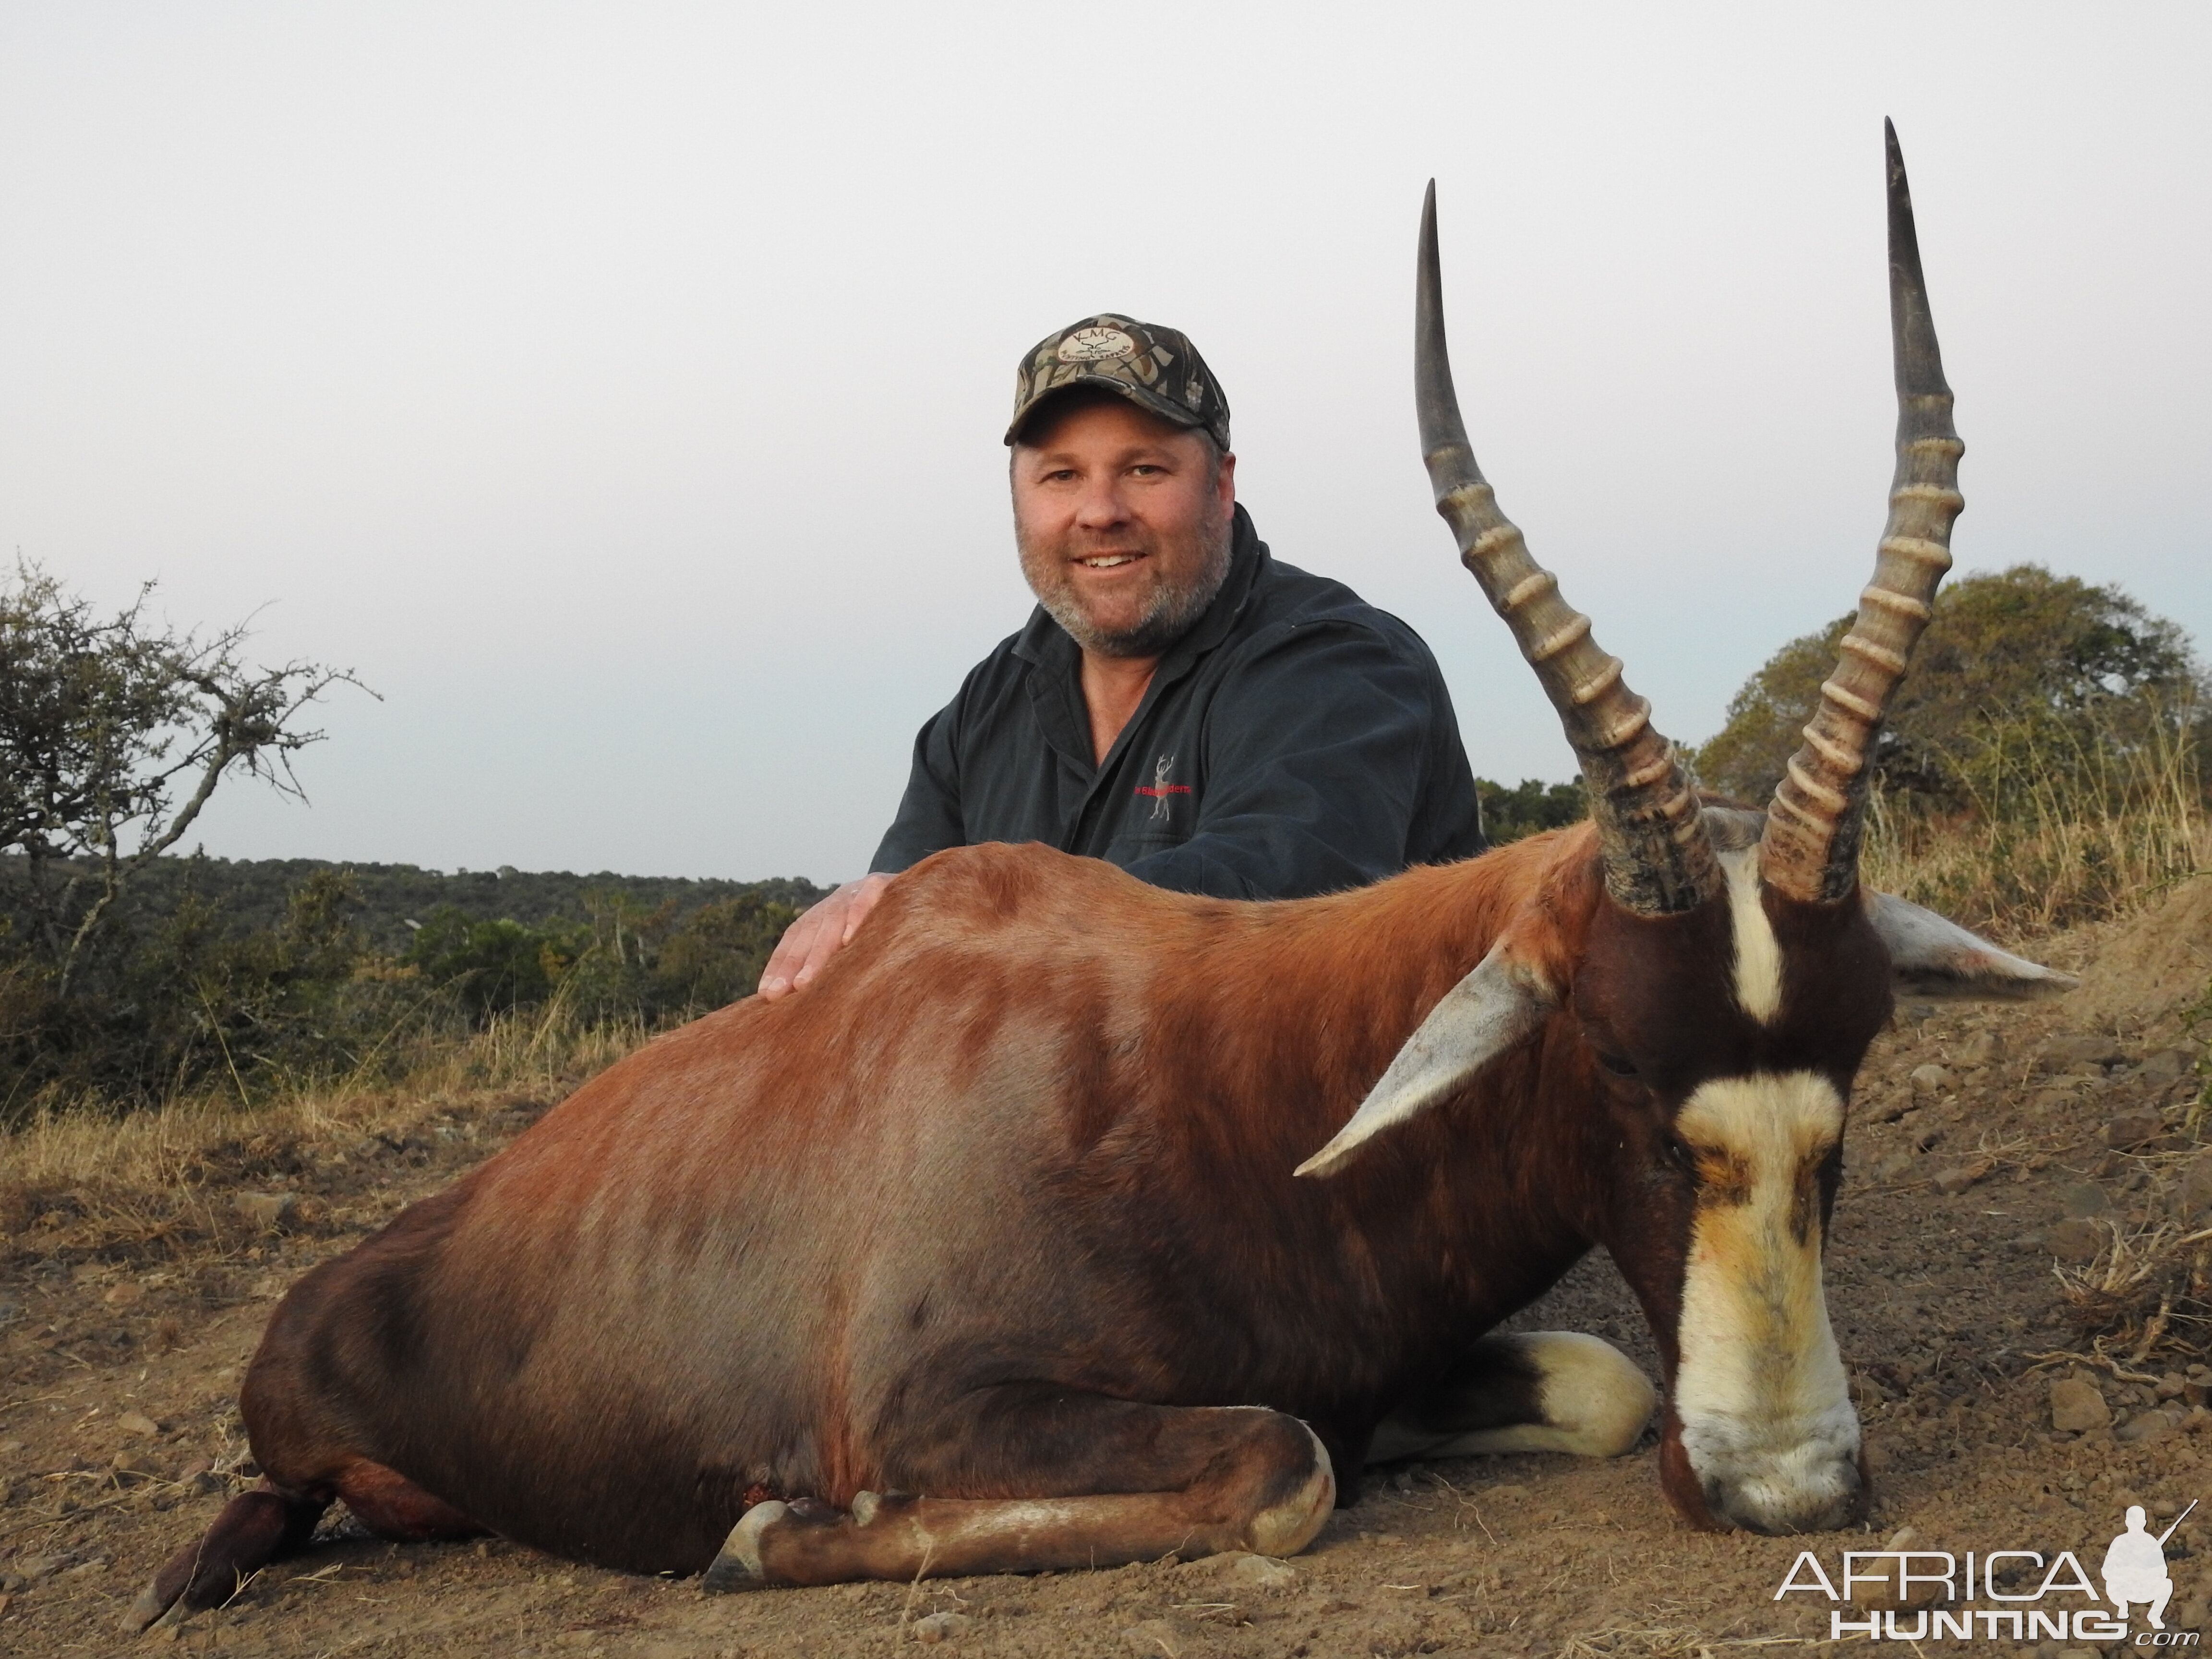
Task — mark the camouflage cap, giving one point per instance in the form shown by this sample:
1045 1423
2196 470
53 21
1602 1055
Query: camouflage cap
1155 368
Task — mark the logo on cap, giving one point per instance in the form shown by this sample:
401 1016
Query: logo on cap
1095 344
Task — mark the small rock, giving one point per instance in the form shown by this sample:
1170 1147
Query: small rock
123 1295
264 1210
940 1628
1953 1181
2144 1428
137 1423
1161 1638
2075 1050
2077 1239
2195 1196
33 1568
2133 1128
1981 1049
2081 1198
1262 1573
1930 1080
2076 1405
2166 1065
1896 1167
85 1569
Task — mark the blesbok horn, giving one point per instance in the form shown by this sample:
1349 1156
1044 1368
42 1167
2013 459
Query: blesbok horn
1810 850
1657 859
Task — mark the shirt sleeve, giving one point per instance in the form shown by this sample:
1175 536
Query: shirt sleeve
1317 752
929 818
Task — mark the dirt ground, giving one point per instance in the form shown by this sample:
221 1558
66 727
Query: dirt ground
2054 1137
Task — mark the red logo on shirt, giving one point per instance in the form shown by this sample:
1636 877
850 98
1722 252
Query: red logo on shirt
1163 789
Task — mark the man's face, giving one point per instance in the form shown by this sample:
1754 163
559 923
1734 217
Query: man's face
1122 519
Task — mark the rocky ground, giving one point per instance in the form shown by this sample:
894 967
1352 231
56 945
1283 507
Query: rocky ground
2014 1278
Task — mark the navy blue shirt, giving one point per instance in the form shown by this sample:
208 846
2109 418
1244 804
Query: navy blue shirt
1296 741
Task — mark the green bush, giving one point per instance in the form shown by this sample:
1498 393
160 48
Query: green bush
1529 806
183 996
492 966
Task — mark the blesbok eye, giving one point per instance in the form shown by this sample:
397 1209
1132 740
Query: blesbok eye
1679 1154
1614 1063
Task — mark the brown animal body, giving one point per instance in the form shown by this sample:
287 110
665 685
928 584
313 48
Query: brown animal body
1031 1137
1004 1211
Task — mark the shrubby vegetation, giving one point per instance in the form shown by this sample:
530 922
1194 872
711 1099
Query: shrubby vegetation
2016 664
2042 761
128 975
1529 806
197 985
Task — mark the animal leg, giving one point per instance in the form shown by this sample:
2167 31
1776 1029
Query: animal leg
1205 1479
1530 1391
393 1507
253 1529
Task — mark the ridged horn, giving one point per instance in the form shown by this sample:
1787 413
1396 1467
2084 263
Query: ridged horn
1657 859
1810 850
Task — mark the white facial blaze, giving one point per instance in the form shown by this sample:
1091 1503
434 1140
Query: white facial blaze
1765 1406
1758 953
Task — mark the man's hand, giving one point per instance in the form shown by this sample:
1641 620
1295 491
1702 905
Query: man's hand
810 942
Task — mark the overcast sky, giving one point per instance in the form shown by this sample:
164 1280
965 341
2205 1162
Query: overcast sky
618 388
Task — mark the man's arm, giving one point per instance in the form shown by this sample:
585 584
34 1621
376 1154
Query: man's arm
928 820
1319 752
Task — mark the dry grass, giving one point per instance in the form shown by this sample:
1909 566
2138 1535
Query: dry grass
141 1181
2146 1282
2065 834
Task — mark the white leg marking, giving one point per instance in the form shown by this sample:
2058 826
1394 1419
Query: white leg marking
1765 1406
1290 1526
1758 953
1594 1400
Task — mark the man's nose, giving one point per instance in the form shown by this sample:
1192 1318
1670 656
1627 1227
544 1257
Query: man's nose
1102 504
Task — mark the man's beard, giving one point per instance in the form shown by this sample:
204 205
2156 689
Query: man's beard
1174 608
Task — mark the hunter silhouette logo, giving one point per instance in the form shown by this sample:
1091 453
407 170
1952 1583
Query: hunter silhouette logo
2026 1587
1160 789
2135 1567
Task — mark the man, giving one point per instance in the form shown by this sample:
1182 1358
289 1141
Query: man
1179 704
2135 1569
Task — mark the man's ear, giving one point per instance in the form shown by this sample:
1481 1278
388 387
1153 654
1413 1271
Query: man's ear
1490 1012
1935 958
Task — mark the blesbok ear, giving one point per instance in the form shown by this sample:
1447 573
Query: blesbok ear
1494 1009
1932 957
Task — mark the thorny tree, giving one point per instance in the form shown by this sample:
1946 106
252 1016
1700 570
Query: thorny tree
114 731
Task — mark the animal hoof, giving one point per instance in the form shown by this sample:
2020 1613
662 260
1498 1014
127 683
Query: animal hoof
150 1608
738 1565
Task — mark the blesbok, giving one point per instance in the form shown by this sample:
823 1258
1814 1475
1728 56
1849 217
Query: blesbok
990 1251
